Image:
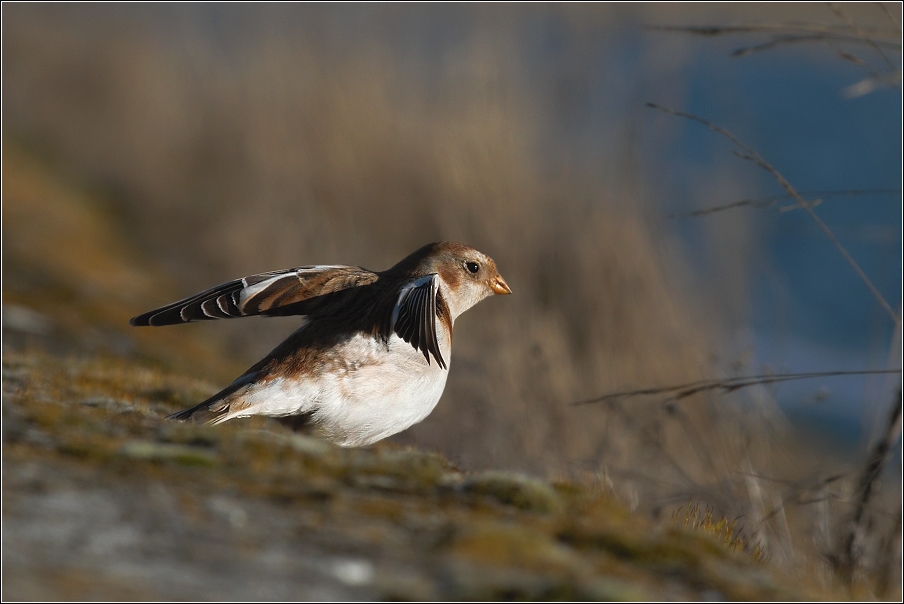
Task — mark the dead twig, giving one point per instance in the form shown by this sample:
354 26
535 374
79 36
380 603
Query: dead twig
861 33
849 555
651 439
727 385
775 28
767 202
879 39
748 153
791 34
890 16
777 41
892 539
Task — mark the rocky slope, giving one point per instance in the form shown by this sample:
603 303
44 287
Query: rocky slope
103 498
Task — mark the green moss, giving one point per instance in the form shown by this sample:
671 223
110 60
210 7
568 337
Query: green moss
504 544
513 489
487 535
153 451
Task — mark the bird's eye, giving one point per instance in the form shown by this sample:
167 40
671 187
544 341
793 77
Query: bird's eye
473 267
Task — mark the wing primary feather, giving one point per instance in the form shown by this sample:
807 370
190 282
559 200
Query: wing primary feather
211 308
184 313
430 329
267 297
414 317
173 313
227 306
282 292
434 342
417 324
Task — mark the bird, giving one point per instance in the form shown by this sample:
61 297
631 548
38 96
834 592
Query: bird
372 354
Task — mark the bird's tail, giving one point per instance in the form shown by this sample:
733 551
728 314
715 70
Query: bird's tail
211 411
207 412
198 414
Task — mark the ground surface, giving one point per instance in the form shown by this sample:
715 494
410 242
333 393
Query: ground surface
105 499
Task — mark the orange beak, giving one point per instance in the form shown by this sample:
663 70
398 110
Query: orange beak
499 285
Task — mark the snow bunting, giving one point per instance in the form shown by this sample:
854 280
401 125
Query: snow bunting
372 356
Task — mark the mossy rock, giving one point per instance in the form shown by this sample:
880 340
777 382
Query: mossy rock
518 490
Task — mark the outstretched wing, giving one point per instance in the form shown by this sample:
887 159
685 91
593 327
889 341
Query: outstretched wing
275 293
414 316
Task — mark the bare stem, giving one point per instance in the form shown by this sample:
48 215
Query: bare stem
793 34
728 384
750 154
770 201
849 555
861 33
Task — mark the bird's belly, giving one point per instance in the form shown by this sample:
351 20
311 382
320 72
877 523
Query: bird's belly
364 392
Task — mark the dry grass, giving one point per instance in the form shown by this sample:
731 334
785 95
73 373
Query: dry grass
103 496
293 149
228 141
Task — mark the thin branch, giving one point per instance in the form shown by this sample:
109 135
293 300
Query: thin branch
848 558
773 28
887 556
860 33
799 485
696 440
852 58
890 16
797 492
800 501
793 34
850 33
727 384
777 41
650 439
770 201
750 154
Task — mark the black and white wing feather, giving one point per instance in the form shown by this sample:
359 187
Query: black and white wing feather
411 313
415 314
286 292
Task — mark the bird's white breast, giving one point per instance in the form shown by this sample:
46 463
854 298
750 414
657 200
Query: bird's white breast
362 393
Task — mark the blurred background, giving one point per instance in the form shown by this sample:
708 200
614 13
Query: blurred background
207 142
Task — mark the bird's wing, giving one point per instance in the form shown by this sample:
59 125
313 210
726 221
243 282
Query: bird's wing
285 292
414 316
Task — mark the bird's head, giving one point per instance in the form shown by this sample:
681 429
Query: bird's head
467 276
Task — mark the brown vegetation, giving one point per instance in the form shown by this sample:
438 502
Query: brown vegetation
151 152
